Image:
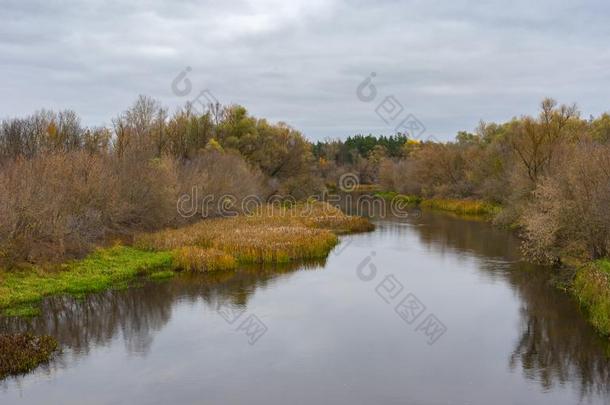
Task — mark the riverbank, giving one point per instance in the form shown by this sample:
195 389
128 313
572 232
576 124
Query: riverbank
591 287
271 235
588 283
466 207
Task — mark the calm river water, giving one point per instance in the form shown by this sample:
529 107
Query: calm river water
431 311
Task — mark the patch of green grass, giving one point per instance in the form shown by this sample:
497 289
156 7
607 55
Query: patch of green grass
103 269
466 207
463 207
22 311
592 289
272 236
604 265
162 275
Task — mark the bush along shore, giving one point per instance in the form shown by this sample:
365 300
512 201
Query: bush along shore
22 353
271 235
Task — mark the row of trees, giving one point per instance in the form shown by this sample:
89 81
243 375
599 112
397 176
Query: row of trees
65 187
551 173
146 129
358 154
359 146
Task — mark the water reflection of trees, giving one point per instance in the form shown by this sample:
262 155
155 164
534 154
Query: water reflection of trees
556 346
444 233
135 314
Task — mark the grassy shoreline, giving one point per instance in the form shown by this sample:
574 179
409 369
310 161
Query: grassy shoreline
465 207
22 290
591 287
274 235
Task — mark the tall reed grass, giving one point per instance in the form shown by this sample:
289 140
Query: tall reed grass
273 234
196 259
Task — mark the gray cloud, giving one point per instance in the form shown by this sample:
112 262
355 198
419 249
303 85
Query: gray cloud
300 61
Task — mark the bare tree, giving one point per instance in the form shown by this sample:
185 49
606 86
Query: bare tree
534 141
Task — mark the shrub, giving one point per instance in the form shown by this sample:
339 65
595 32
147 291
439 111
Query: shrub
55 205
83 200
400 176
215 174
21 353
569 210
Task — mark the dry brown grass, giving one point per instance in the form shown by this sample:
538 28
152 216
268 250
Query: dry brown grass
272 235
325 216
196 259
20 353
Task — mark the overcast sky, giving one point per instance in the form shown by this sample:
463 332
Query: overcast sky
448 63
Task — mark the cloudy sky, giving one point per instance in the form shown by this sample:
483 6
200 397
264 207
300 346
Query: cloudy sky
447 63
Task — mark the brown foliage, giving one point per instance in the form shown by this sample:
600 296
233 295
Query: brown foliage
64 188
20 353
550 173
55 205
59 205
569 211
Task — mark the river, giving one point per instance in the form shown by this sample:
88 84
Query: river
433 310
